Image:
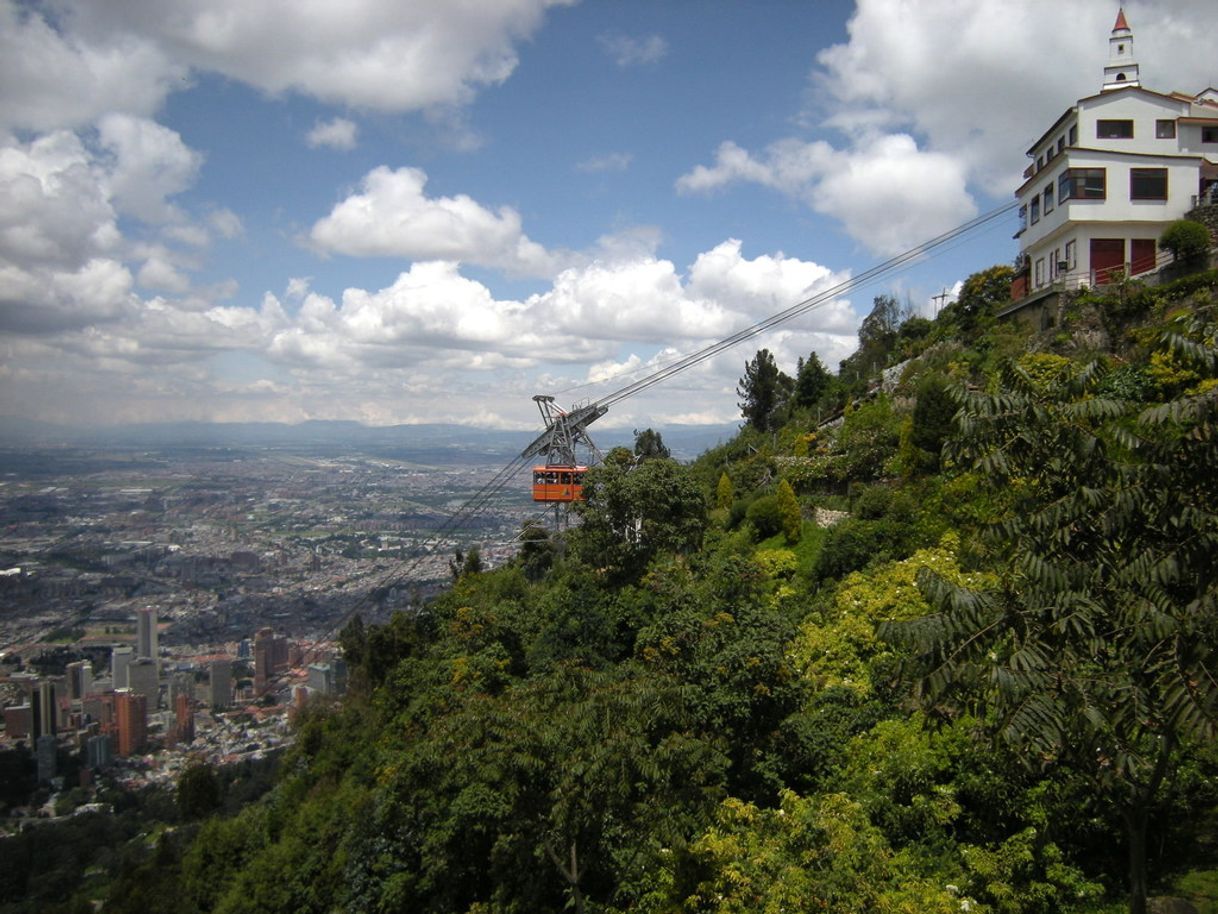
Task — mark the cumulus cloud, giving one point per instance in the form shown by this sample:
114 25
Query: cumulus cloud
378 54
51 80
161 274
53 208
887 193
392 217
39 300
381 354
338 133
150 163
937 68
631 50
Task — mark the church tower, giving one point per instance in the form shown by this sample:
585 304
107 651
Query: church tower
1122 69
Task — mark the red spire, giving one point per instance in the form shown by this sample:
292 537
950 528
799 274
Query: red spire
1121 23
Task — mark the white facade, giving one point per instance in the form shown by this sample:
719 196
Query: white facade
1111 173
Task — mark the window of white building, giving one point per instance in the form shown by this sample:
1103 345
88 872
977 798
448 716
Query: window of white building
1165 130
1082 184
1114 130
1148 184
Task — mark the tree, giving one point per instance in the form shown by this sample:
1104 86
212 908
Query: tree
725 492
536 550
648 445
788 511
1187 240
819 854
198 791
877 337
1096 653
630 513
932 420
812 382
764 390
980 295
462 564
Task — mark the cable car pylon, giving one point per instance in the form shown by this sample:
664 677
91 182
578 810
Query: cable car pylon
559 481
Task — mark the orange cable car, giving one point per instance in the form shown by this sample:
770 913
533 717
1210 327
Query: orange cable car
558 483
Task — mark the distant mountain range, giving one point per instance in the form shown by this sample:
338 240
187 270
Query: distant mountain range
685 441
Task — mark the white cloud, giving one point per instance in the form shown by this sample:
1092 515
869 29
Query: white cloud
981 81
161 274
194 235
226 223
379 54
769 284
38 300
886 192
338 133
53 208
150 163
613 161
631 50
50 80
298 287
392 217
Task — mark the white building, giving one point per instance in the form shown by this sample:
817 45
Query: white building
1110 174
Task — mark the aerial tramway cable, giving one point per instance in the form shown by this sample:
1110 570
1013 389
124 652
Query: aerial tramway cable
483 497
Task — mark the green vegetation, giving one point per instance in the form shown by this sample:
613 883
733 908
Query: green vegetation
988 688
1187 240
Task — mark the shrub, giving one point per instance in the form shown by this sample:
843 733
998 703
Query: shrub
1187 240
765 516
788 512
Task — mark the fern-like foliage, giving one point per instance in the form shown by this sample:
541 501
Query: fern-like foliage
1099 650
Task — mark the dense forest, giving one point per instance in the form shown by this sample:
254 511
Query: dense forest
935 633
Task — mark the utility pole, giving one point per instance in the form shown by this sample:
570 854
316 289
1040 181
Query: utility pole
938 300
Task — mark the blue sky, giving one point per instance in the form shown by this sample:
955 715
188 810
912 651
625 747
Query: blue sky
221 210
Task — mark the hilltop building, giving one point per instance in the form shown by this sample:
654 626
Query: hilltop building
1108 177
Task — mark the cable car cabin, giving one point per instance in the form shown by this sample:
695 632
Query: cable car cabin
558 483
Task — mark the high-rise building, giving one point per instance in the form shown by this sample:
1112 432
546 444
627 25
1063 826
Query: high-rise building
19 721
263 659
98 707
272 654
146 633
99 751
220 690
46 721
131 713
142 678
184 718
46 749
80 679
120 658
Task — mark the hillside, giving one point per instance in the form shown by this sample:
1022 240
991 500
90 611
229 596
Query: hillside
987 686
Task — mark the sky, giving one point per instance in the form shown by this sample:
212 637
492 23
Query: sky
224 210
